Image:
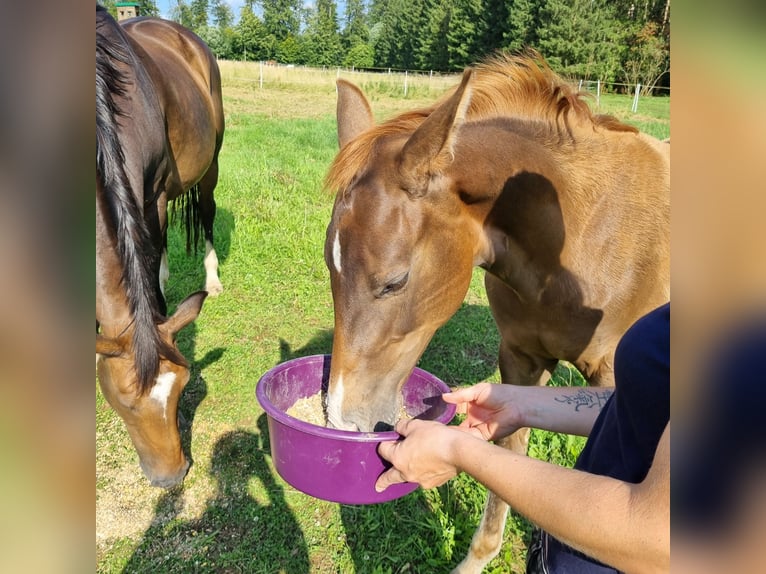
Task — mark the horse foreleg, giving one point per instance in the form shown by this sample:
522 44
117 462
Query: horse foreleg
488 538
207 208
212 283
517 368
164 271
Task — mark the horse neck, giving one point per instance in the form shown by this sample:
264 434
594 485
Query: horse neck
531 189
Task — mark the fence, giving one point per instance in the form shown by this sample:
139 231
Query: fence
596 87
402 81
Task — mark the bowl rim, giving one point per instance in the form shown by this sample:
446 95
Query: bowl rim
325 432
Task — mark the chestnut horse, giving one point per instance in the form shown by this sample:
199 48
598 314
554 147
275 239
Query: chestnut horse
159 127
567 211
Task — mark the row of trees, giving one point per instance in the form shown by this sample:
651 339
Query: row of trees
609 40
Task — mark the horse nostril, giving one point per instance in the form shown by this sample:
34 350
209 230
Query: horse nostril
380 426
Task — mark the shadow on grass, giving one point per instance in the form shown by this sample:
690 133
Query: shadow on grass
236 533
193 394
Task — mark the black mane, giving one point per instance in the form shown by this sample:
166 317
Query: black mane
115 61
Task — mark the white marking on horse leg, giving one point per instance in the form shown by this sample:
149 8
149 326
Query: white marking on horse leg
336 252
161 391
212 283
164 271
487 539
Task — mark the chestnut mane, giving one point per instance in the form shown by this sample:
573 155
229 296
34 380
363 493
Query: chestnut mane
520 86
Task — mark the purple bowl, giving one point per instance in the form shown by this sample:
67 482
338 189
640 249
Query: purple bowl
337 465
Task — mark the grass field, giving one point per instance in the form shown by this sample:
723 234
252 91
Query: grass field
234 513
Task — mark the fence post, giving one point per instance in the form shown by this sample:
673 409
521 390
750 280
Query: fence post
598 93
405 83
634 109
260 76
579 88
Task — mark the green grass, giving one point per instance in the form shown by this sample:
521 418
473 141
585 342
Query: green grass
234 513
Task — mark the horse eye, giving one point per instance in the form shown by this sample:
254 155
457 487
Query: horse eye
394 287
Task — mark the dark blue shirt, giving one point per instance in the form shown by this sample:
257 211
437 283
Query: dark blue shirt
628 429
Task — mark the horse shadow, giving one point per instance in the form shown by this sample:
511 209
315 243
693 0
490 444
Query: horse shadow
194 392
236 533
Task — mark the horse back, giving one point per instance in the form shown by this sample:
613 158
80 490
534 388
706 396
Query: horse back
187 79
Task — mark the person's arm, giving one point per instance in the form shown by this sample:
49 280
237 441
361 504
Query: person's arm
621 524
495 410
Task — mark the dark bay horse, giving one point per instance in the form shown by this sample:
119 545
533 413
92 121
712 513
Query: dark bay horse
159 127
568 212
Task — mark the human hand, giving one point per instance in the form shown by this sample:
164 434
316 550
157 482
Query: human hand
490 409
423 456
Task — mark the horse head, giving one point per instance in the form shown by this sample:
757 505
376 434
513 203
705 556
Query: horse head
150 414
400 248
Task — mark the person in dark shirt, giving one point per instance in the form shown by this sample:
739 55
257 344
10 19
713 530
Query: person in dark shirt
612 511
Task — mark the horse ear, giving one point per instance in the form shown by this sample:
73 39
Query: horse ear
187 311
429 149
353 112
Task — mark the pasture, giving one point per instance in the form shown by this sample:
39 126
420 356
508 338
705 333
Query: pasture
233 513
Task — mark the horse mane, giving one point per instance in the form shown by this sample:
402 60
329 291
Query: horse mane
131 233
520 86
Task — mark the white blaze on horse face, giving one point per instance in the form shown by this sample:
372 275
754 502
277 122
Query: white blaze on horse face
336 251
334 400
161 391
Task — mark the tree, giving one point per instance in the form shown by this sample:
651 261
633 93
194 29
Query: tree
465 34
198 10
521 25
149 8
397 31
253 40
355 29
221 14
361 55
282 17
321 35
581 38
647 57
182 14
217 41
291 50
434 51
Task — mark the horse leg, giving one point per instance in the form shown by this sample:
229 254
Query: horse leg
519 369
515 368
164 270
207 215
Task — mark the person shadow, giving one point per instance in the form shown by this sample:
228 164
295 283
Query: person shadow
236 533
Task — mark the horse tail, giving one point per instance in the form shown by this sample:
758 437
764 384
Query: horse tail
186 206
133 240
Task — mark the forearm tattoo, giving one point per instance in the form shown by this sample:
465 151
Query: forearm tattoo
586 399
